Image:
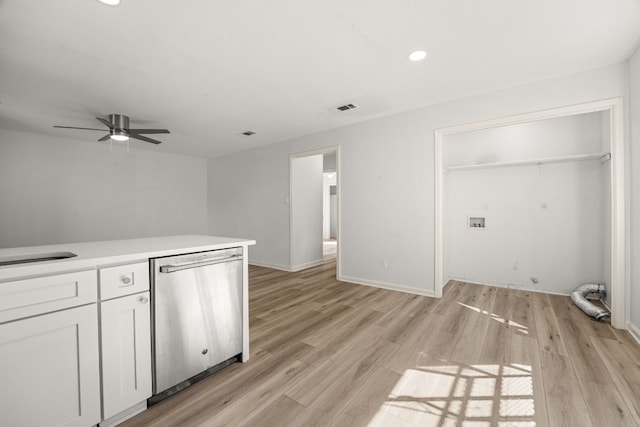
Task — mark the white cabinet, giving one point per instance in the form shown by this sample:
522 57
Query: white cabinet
50 372
75 337
126 352
125 337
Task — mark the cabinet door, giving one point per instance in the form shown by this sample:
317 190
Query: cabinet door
49 370
126 352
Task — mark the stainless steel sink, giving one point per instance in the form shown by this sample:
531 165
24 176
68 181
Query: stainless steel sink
31 258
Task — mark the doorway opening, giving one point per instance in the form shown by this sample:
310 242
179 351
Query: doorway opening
615 228
314 208
329 206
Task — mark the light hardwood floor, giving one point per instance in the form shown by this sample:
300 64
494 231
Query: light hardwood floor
326 353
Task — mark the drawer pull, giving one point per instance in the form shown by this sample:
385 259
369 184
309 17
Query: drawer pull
144 300
121 280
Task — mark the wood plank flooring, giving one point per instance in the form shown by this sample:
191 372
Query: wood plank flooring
327 353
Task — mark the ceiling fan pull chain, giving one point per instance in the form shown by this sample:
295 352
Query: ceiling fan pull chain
110 146
127 147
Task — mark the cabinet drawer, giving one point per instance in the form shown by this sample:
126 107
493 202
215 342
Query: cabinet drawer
123 280
29 297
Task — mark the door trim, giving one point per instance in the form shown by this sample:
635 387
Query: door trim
619 291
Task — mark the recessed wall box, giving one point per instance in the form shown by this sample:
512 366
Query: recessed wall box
476 222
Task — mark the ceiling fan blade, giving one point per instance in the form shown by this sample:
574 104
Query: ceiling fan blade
148 131
144 138
105 122
104 138
72 127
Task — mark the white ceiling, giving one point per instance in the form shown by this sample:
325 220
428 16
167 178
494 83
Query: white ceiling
209 70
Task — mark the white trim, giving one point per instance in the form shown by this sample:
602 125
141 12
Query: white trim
618 254
570 110
269 265
438 212
326 150
388 286
123 416
634 331
246 352
307 265
446 283
507 286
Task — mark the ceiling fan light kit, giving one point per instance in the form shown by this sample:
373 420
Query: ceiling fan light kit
119 136
120 131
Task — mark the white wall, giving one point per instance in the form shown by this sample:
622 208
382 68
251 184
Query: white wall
329 206
249 197
329 162
333 215
544 222
328 215
53 190
387 180
560 136
634 116
306 211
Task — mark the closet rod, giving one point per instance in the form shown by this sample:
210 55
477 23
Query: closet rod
575 157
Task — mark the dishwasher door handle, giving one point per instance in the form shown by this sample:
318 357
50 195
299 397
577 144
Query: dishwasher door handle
169 268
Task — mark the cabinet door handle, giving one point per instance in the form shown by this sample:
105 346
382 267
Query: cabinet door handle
144 300
126 280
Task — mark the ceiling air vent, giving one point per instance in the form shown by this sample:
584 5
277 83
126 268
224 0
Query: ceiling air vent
346 107
248 133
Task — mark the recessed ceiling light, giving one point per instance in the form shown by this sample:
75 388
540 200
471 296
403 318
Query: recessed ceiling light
417 55
110 2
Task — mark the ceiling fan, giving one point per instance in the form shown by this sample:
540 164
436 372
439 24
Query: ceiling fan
119 129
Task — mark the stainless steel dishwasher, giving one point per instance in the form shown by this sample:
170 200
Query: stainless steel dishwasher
196 317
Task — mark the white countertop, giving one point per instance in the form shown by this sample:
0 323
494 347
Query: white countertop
97 254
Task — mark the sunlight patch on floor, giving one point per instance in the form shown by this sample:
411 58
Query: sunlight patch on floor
435 394
521 328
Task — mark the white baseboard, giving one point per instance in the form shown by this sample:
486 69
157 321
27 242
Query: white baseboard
307 265
634 331
497 285
268 265
286 267
124 415
389 286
